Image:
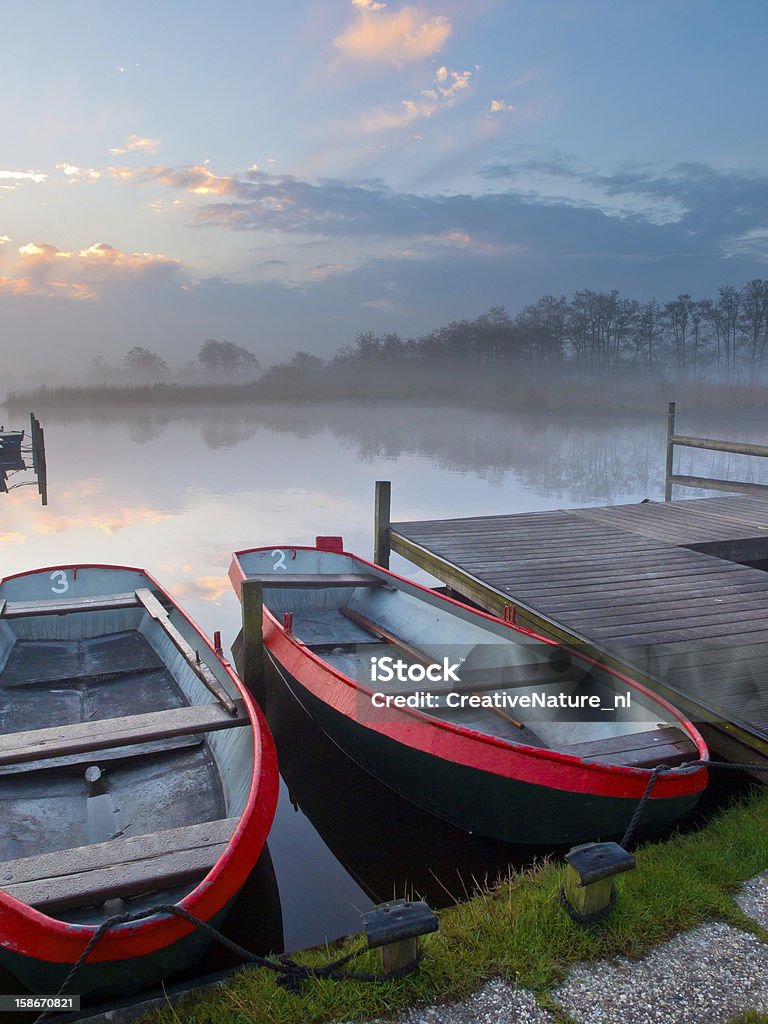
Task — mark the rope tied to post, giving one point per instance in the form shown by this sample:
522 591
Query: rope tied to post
628 839
291 974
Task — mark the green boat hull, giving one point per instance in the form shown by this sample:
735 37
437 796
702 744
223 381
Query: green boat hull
105 979
481 802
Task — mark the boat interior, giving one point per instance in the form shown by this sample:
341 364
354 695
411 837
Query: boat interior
121 777
347 614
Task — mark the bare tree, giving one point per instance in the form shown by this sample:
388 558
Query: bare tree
753 320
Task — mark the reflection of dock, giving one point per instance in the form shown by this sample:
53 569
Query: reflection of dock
672 590
17 457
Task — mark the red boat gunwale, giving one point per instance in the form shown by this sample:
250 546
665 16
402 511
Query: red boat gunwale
575 774
28 932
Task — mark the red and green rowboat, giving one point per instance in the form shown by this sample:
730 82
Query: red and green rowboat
135 771
469 750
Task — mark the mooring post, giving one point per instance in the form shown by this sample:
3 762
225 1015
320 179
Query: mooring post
670 452
38 457
253 636
381 512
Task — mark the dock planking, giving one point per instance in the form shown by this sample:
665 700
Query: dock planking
657 587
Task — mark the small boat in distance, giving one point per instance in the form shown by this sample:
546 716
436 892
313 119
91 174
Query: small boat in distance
482 723
135 770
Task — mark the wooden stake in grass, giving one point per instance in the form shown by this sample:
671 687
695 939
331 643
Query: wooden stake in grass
588 893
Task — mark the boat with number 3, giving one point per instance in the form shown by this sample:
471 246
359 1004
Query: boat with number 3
135 770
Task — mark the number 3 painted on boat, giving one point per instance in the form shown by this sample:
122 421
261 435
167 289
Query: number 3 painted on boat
63 584
280 562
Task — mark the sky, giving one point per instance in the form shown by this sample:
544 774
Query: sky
287 175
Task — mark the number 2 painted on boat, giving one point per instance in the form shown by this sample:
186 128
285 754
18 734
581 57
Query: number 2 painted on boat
280 561
63 584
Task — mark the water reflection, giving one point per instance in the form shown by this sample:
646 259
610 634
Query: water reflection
389 846
570 458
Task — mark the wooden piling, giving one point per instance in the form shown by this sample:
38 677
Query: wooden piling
396 956
253 637
381 521
670 452
587 900
38 457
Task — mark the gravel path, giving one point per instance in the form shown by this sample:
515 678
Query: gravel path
705 976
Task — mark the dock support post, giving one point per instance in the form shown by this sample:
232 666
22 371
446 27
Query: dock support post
38 457
381 520
670 452
253 637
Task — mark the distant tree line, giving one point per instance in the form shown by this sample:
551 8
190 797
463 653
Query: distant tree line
595 333
217 362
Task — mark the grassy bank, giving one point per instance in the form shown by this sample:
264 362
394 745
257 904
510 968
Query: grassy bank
554 395
519 931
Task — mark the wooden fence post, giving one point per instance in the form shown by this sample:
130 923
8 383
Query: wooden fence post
381 520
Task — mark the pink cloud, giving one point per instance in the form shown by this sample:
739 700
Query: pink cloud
43 270
398 36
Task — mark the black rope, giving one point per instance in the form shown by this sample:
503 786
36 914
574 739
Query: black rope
628 840
291 974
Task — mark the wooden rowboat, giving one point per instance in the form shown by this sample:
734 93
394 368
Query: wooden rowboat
135 770
473 754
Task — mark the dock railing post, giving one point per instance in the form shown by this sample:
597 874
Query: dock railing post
381 520
670 452
253 636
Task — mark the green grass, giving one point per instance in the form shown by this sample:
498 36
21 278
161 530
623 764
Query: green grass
518 931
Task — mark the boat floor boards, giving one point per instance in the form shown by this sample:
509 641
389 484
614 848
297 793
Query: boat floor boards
108 703
61 661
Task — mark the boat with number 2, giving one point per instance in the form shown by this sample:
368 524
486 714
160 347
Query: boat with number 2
135 771
478 721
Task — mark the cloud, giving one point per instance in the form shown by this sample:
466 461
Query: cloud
369 5
498 105
323 270
705 205
136 143
75 173
12 179
446 86
43 270
396 37
197 178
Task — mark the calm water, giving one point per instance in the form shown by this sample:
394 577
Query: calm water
177 493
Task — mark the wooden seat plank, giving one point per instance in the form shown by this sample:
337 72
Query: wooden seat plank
75 764
638 749
20 747
56 606
316 580
87 875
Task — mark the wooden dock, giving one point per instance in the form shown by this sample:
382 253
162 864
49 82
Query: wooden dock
658 587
